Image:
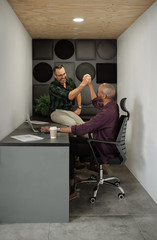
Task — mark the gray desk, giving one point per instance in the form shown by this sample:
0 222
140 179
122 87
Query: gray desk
34 178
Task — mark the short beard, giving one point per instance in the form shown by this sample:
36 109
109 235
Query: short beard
100 99
62 79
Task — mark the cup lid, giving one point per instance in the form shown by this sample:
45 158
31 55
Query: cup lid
53 128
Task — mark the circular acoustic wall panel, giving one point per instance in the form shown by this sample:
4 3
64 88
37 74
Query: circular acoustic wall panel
84 68
106 49
42 72
64 49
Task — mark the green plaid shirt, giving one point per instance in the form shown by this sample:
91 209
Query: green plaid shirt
59 95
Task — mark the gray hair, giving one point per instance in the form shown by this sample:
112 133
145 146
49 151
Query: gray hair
109 90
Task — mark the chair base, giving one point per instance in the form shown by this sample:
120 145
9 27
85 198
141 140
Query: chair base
100 181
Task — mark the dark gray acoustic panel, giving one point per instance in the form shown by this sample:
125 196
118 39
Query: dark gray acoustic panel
69 68
83 69
64 49
42 49
106 73
88 111
85 50
40 90
42 72
78 56
106 49
85 96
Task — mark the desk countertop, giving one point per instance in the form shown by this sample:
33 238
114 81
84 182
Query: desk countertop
61 140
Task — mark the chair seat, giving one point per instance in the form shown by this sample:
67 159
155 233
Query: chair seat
115 161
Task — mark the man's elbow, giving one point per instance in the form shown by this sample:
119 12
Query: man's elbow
70 97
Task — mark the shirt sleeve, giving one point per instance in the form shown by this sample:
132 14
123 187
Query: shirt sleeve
93 124
97 104
73 85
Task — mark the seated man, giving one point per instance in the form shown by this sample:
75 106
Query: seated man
63 92
104 127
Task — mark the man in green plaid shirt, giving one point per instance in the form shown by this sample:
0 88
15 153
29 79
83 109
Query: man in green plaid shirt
63 93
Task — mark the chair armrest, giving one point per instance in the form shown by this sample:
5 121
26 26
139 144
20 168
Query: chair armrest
99 141
103 141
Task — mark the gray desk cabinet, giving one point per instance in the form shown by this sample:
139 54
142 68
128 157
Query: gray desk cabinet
34 179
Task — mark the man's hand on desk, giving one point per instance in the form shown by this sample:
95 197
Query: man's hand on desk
45 129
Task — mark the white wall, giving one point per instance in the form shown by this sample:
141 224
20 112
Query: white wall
137 80
15 70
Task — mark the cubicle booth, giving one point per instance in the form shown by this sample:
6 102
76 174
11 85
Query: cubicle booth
34 174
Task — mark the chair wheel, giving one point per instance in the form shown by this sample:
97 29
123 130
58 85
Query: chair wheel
92 200
92 177
121 195
117 183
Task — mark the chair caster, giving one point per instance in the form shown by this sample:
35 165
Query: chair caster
117 183
93 177
92 200
121 195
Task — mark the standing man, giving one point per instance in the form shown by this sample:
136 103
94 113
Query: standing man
63 92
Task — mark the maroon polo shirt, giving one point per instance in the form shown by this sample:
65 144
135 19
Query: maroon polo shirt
104 127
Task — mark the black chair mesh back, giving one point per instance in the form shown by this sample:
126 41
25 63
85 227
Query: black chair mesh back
120 158
121 138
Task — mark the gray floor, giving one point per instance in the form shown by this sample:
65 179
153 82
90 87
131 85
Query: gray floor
132 218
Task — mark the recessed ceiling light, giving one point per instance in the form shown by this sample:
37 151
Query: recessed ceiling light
78 19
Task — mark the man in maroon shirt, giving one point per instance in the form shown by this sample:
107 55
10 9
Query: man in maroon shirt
103 126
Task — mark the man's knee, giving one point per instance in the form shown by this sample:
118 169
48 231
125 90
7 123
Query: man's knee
62 119
69 122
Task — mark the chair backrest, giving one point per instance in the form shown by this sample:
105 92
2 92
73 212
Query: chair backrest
121 136
123 106
121 146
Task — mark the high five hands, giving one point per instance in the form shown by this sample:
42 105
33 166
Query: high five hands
86 79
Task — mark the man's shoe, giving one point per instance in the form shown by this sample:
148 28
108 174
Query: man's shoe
79 165
94 167
73 192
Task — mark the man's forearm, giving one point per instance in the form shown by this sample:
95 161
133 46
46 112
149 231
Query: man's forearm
78 100
74 93
92 92
65 130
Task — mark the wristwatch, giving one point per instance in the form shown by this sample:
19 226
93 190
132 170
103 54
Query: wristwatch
79 106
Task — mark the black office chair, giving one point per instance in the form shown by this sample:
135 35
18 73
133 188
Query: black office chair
118 160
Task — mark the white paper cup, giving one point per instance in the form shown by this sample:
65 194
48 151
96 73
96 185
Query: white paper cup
53 132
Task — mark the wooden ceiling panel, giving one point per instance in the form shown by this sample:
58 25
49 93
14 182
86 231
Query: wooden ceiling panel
103 19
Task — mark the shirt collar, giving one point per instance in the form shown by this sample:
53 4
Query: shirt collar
58 83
